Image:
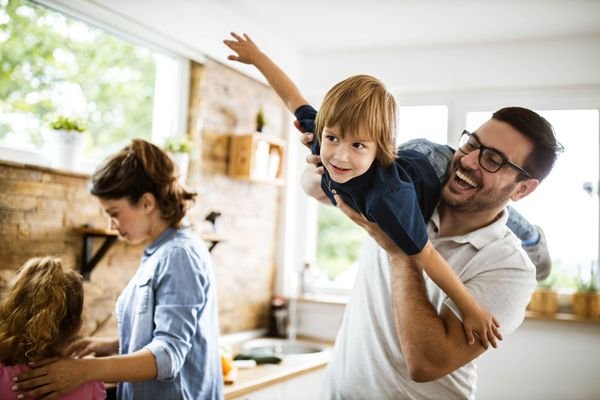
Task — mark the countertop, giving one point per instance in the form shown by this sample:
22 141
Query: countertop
249 380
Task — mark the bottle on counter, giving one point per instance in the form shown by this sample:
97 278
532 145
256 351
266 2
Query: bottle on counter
278 317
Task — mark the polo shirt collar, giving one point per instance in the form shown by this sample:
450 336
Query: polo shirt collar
479 237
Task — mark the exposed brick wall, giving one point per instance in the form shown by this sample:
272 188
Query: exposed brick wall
225 102
40 208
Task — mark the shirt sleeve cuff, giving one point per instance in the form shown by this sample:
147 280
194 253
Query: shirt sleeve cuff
164 370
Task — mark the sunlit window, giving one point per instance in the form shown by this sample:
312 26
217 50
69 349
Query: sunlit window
54 65
566 205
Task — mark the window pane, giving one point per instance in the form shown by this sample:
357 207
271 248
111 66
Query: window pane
339 240
566 205
429 122
55 65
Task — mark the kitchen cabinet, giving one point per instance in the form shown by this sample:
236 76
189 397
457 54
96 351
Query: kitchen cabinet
273 392
306 386
300 387
257 157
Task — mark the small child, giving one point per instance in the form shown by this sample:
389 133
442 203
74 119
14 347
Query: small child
355 132
40 312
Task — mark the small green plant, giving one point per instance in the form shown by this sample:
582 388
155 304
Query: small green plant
180 144
549 283
260 120
589 285
67 124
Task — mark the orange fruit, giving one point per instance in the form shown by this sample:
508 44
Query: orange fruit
226 363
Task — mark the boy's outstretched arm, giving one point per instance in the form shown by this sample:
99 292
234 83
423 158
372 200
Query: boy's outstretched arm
476 320
247 52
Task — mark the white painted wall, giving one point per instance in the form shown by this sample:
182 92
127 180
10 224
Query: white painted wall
565 62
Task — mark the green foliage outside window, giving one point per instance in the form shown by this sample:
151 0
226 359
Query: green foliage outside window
48 59
339 241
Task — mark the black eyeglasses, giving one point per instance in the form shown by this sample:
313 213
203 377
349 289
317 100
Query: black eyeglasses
490 159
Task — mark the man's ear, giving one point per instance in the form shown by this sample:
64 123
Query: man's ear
148 202
524 188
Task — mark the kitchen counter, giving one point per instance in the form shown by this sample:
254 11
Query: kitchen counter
261 376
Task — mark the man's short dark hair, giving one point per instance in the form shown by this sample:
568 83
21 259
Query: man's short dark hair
539 131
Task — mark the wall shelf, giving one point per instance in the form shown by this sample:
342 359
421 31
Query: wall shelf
89 259
257 157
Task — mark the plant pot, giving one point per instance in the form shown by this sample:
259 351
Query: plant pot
586 304
544 301
64 148
182 161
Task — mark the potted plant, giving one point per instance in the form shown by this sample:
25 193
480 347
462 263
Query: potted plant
545 297
64 142
260 120
179 148
586 299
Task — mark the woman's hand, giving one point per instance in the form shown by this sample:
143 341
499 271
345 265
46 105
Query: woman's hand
49 379
92 345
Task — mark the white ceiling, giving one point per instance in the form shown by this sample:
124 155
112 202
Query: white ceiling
320 25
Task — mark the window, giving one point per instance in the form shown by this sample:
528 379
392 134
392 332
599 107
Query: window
339 240
56 65
566 205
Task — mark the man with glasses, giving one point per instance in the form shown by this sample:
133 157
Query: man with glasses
401 336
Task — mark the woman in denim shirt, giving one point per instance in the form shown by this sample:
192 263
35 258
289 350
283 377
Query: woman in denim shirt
167 314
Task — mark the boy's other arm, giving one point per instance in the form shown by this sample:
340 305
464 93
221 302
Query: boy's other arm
249 53
433 345
476 319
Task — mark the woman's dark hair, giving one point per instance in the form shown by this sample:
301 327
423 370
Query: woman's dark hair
539 131
143 168
40 311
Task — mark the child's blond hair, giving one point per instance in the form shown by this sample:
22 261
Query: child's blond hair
362 104
40 311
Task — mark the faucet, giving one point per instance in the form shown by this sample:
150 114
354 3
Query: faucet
292 329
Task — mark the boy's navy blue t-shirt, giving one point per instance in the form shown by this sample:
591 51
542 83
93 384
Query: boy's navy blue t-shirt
399 198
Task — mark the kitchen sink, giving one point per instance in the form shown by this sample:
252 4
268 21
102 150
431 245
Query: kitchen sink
285 348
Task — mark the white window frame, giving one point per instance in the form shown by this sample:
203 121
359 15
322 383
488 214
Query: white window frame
172 79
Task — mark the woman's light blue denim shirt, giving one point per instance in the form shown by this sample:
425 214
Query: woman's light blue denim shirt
170 308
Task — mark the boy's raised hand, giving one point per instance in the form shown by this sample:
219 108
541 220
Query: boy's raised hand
246 50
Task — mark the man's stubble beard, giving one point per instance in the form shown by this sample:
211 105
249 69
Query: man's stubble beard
480 201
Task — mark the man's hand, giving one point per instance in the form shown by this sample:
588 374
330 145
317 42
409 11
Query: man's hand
306 139
49 379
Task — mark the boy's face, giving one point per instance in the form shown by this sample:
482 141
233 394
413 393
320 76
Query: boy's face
346 157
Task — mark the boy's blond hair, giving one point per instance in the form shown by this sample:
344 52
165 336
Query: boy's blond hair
362 104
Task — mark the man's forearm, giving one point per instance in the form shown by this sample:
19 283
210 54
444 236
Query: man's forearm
421 331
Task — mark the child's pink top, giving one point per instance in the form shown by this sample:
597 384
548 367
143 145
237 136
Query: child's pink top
89 390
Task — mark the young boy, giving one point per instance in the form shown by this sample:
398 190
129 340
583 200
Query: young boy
355 132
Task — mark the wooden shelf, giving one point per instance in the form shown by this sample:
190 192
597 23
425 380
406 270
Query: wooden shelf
257 157
89 260
561 316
